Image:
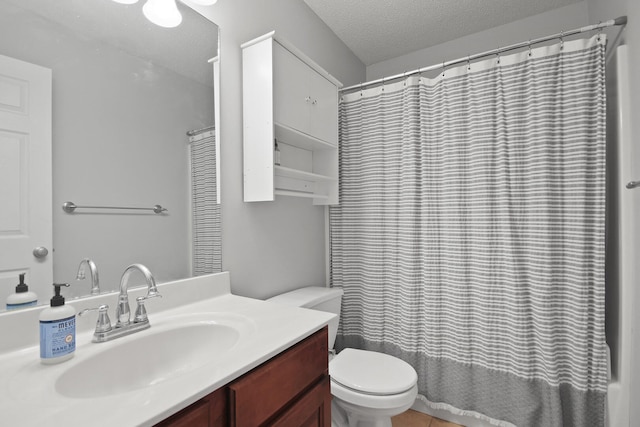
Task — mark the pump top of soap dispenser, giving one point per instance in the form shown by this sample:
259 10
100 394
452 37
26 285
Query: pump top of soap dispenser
58 300
22 297
22 287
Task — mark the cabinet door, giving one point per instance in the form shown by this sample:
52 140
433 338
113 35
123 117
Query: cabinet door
323 117
196 415
313 409
262 393
210 411
290 90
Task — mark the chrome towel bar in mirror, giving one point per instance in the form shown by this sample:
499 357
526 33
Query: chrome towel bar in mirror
70 207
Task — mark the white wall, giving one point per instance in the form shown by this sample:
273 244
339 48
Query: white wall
269 247
600 10
551 22
633 40
628 412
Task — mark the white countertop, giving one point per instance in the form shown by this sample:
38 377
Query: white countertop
28 395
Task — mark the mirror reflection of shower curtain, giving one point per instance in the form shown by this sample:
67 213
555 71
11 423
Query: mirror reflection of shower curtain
206 232
469 239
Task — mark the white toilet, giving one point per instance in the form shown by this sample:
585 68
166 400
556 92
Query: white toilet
368 387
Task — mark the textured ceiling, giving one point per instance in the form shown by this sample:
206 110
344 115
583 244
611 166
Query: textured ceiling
376 30
184 49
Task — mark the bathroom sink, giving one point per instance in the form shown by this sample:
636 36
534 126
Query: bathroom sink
163 352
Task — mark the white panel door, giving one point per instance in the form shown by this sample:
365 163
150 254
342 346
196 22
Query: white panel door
25 177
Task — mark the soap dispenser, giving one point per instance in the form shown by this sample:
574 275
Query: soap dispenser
23 297
57 330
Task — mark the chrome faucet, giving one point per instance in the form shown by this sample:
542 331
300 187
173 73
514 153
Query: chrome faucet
123 313
93 269
124 326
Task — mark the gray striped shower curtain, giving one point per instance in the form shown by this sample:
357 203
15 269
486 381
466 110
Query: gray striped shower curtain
469 239
205 211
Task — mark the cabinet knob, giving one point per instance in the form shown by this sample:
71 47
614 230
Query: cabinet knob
315 102
307 99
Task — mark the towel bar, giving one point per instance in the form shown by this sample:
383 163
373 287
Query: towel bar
70 207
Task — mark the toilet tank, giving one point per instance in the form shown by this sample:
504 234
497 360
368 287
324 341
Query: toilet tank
315 298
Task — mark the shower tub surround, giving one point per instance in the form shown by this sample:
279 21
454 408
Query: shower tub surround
32 394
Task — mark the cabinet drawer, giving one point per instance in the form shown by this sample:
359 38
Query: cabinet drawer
260 394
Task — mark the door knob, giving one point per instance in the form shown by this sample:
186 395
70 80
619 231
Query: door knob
40 252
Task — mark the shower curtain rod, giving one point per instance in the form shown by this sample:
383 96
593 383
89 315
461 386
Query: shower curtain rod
622 20
196 131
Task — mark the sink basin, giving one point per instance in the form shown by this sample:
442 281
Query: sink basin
143 359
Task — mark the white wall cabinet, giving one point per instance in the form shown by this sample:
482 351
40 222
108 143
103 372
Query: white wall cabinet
288 98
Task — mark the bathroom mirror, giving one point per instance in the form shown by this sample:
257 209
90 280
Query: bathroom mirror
125 94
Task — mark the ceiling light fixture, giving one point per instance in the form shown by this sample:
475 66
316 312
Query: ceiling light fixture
164 13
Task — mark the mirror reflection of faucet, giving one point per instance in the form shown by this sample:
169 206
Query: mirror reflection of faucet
104 331
93 269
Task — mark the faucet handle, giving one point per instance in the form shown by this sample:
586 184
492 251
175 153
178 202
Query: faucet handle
103 324
141 311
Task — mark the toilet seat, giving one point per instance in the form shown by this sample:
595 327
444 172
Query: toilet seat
373 402
371 373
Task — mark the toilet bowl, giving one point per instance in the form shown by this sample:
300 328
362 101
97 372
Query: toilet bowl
368 387
371 387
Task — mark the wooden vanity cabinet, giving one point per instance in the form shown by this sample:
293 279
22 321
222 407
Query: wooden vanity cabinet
290 390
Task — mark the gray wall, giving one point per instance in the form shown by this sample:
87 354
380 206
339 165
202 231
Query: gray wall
115 142
551 22
270 247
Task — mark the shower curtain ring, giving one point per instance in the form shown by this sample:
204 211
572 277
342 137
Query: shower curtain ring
468 62
599 30
360 88
529 47
383 84
498 55
561 39
404 77
443 68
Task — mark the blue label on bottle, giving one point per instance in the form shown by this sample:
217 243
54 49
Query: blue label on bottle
21 305
57 337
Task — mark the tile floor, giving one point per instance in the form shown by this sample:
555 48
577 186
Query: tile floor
413 418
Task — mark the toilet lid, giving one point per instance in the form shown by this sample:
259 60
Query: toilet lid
372 372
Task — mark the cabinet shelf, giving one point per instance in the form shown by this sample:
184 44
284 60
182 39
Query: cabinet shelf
288 135
298 174
300 194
